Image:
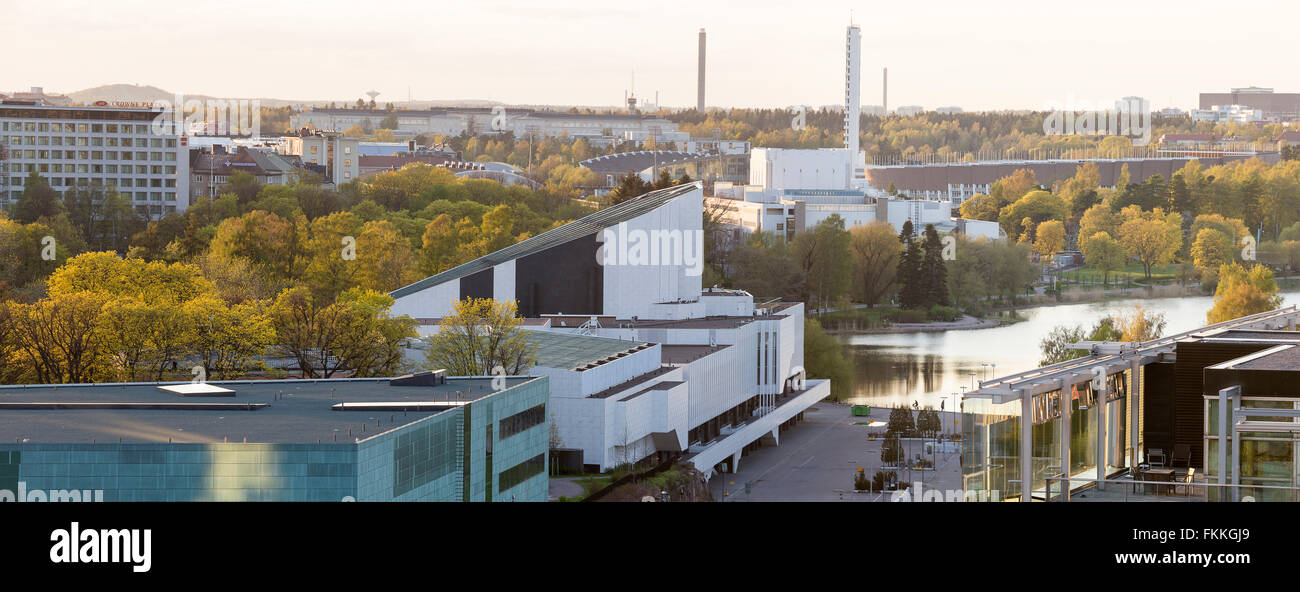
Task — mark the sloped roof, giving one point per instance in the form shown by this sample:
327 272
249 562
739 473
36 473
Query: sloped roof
585 226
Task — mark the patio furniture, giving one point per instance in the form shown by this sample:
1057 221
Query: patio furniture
1188 479
1182 452
1156 453
1137 479
1160 476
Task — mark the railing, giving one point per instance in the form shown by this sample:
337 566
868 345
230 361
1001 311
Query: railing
1130 490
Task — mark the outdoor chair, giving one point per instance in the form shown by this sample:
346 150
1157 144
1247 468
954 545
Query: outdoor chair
1182 452
1188 480
1137 480
1156 453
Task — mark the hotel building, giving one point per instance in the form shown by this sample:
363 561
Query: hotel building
107 147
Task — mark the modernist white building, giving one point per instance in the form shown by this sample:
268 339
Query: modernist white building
793 190
644 364
114 148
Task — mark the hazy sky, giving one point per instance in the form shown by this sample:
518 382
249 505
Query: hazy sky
972 54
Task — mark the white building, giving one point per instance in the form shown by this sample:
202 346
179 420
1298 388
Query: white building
1228 113
113 148
339 154
643 363
910 110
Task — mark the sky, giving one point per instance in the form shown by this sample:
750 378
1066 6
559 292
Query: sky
1010 54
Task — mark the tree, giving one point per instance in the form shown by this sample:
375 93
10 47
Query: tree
910 292
822 254
38 200
439 252
110 276
56 338
353 333
226 340
981 207
875 261
1243 292
1099 218
1138 324
901 423
480 335
1023 216
631 186
386 259
933 271
824 358
269 242
1104 254
1055 345
1050 237
1153 239
1211 249
1012 187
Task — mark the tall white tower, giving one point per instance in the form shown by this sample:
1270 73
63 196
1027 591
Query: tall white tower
852 94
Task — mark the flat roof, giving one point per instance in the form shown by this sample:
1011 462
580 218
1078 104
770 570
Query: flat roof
1280 357
579 352
631 383
266 411
680 354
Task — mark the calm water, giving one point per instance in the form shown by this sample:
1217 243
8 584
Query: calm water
899 368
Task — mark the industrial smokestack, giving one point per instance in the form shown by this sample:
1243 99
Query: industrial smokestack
884 92
699 101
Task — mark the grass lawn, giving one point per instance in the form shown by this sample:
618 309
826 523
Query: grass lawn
1133 271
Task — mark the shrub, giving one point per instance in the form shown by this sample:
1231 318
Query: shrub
944 313
909 316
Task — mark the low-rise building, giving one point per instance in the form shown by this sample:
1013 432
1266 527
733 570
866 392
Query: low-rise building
416 438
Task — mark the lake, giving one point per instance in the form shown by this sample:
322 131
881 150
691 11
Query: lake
899 368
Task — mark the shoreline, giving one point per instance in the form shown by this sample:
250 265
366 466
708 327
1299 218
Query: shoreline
969 322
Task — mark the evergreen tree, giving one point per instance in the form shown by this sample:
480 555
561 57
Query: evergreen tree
933 271
911 284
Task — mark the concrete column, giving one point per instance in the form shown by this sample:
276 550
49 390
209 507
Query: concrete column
735 461
1134 405
1026 444
1102 416
1066 412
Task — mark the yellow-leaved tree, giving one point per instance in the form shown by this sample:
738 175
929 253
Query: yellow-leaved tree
1242 292
480 335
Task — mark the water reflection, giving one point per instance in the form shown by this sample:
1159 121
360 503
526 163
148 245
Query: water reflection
899 368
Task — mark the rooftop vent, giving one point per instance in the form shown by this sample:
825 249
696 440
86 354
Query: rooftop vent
197 389
434 378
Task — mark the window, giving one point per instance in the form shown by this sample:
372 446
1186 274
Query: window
522 472
521 421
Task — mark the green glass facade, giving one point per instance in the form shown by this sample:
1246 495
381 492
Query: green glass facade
443 457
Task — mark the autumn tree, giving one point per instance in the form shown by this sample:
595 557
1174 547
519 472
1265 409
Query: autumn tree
1243 292
1152 238
1210 250
1050 238
1104 254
